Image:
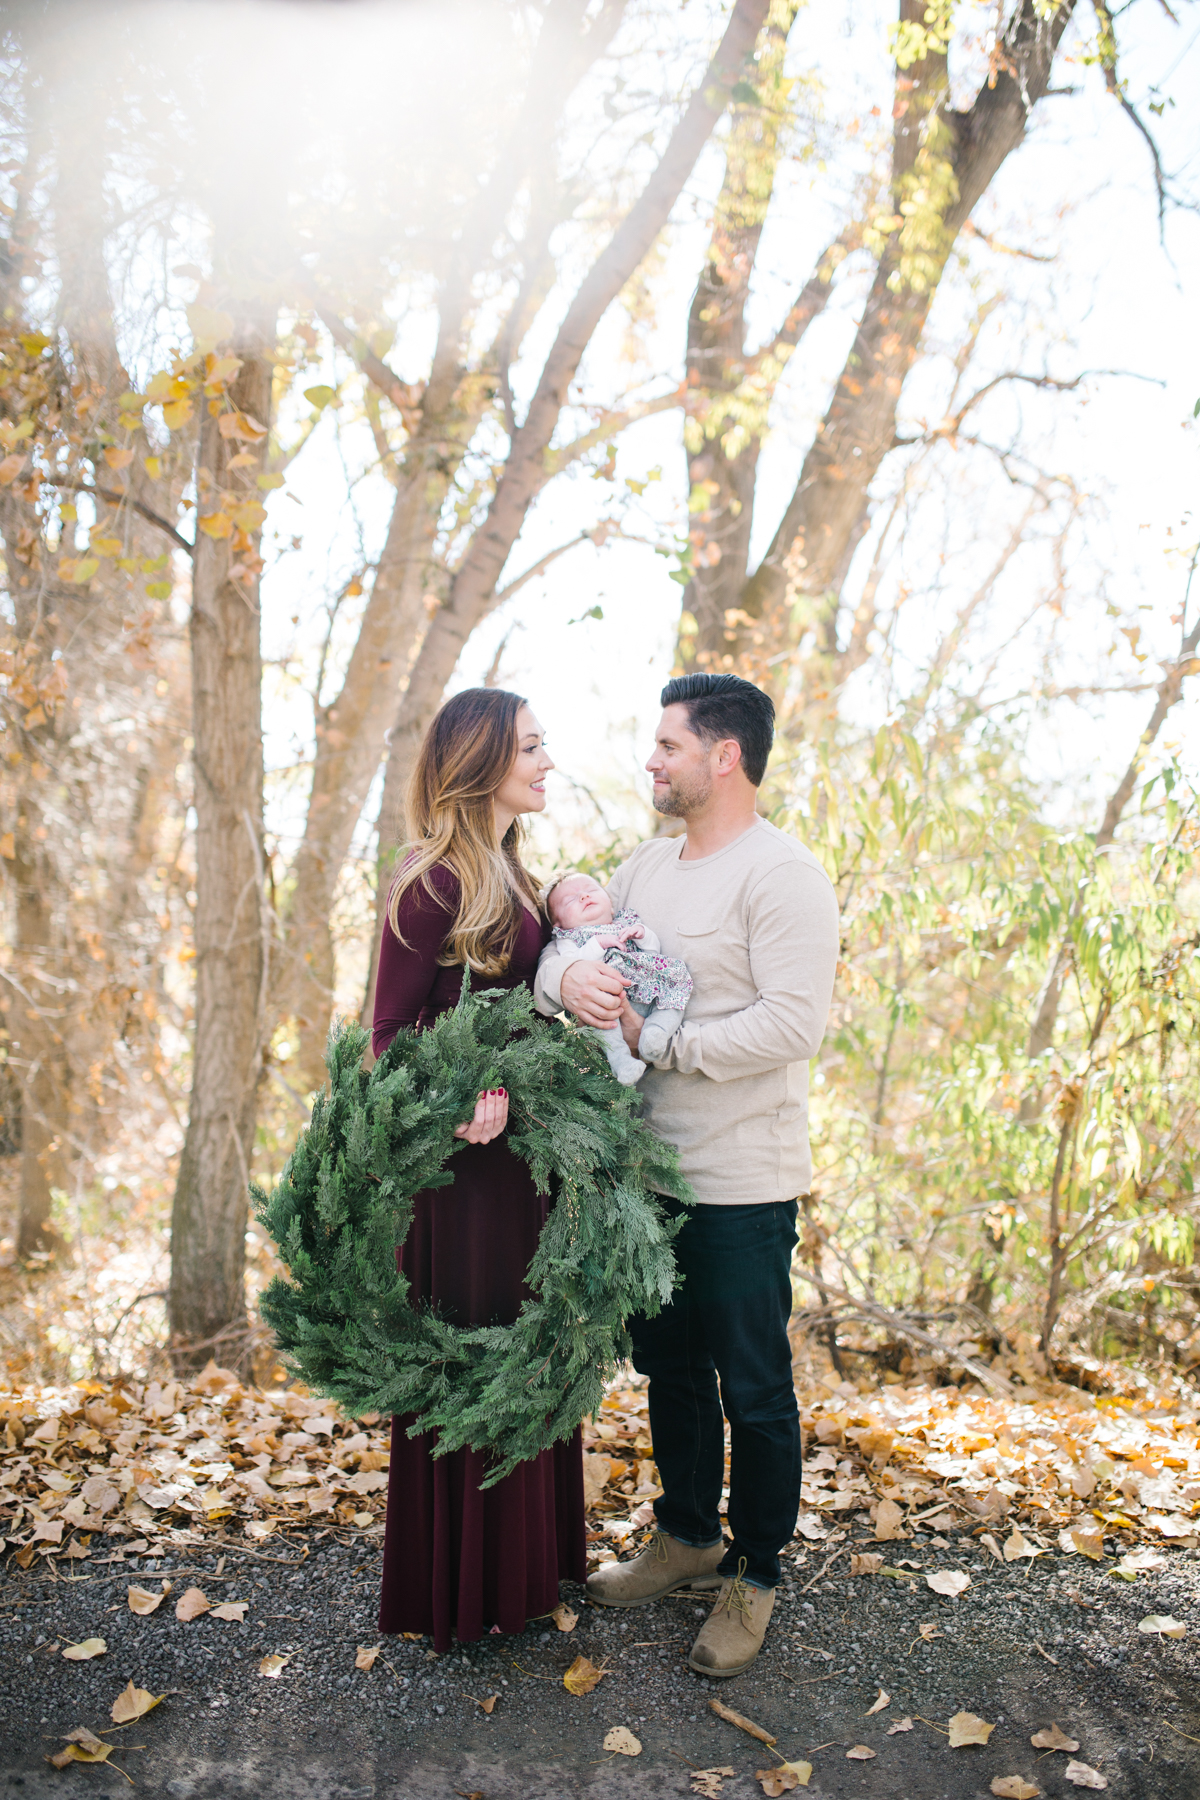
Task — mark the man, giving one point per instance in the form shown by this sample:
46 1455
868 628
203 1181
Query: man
754 916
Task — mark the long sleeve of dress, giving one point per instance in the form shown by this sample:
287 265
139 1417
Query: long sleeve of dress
409 970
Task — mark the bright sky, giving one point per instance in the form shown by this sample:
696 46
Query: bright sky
1080 191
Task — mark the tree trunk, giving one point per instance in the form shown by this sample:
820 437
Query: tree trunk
1170 688
206 1301
943 163
473 593
351 732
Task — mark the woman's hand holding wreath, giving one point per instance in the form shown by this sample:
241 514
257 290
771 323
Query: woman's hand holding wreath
489 1120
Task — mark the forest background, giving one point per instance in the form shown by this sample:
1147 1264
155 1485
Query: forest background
351 353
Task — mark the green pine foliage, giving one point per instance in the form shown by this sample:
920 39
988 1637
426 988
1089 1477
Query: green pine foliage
344 1320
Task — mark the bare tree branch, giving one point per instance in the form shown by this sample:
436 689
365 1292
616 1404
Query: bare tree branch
116 498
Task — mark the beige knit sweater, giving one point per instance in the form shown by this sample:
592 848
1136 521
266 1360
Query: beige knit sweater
757 925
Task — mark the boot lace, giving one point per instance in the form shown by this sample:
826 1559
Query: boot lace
737 1598
658 1544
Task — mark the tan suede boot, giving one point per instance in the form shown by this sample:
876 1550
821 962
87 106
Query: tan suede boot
664 1565
731 1636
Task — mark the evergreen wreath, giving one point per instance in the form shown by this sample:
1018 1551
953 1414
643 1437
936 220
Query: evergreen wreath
344 1321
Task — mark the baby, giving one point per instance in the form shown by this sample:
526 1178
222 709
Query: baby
581 914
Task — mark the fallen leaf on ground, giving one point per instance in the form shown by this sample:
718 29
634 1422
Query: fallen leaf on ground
1014 1787
81 1735
1088 1540
904 1724
866 1563
564 1618
708 1782
191 1604
1051 1738
366 1655
488 1705
743 1724
1016 1546
84 1652
1163 1624
965 1728
860 1753
809 1526
142 1602
582 1676
883 1700
951 1582
133 1703
989 1543
929 1630
622 1742
1082 1776
783 1779
1138 1562
230 1609
889 1522
76 1753
271 1665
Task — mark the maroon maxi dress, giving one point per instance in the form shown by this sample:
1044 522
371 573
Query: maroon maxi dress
455 1559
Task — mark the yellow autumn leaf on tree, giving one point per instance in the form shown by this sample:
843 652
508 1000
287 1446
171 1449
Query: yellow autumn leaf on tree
250 516
164 387
241 425
176 414
118 459
209 326
216 525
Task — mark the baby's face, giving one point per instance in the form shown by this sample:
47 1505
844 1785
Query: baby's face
580 901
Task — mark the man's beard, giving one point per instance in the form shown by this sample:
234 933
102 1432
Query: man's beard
684 797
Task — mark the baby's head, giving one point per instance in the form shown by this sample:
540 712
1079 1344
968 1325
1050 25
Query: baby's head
576 901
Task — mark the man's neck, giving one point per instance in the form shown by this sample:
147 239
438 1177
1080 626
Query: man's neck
709 832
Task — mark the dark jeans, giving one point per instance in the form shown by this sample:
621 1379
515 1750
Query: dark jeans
729 1319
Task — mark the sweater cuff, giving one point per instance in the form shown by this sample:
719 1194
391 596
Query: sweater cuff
547 988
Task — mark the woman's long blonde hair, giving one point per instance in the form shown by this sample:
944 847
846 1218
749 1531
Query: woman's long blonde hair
467 751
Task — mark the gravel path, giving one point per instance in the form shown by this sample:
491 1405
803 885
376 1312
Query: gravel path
411 1726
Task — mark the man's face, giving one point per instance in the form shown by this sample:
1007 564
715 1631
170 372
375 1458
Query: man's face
681 766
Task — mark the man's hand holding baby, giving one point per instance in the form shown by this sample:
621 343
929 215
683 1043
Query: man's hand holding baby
594 992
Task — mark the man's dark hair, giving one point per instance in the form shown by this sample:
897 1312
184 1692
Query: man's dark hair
725 706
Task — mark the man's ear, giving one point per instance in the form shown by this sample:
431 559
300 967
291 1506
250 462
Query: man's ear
729 756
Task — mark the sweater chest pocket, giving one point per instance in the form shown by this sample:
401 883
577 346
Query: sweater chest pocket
707 951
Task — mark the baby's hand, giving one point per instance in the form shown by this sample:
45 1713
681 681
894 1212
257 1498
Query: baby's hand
617 940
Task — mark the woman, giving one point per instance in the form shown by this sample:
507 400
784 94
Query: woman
456 1559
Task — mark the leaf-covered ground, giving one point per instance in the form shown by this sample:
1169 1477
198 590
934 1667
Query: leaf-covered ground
1025 1564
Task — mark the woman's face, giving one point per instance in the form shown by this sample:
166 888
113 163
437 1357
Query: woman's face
523 789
